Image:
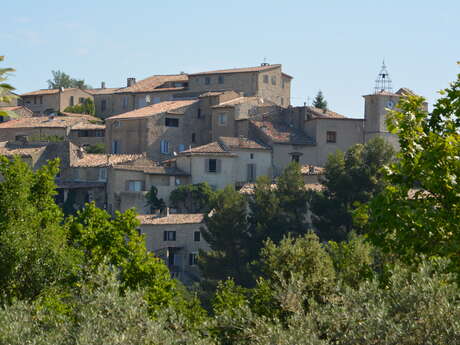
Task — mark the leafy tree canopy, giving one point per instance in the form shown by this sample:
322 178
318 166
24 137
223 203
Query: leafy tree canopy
5 89
153 201
351 178
87 107
61 79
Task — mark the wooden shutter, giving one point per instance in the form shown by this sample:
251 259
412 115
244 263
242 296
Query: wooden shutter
165 235
206 165
190 259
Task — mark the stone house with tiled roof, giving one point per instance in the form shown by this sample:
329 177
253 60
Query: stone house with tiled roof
161 129
14 112
227 161
48 101
176 239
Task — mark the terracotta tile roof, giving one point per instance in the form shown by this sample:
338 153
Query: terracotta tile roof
211 93
320 113
404 91
43 92
283 134
82 116
213 148
22 152
239 70
249 188
154 109
240 100
240 143
104 91
152 169
104 160
83 125
311 170
43 122
154 83
13 108
179 218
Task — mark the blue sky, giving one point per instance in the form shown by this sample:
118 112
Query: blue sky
335 46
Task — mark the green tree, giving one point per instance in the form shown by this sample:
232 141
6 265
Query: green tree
319 101
227 233
351 178
192 198
33 253
419 211
96 148
87 107
153 201
5 89
61 79
117 242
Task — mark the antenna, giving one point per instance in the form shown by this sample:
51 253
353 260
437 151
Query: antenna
383 81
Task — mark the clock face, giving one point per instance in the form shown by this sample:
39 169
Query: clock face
390 104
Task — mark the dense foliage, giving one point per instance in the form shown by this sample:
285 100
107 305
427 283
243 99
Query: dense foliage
319 101
192 198
351 178
87 107
5 88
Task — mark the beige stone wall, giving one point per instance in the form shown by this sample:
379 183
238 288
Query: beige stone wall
375 109
138 100
274 92
39 104
195 166
108 111
241 82
77 94
10 134
82 141
282 156
262 160
131 135
227 130
119 198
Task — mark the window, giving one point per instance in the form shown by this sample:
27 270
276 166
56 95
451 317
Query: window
331 137
115 146
81 100
177 181
212 165
197 236
295 157
282 83
181 147
102 174
172 261
164 147
193 259
169 122
198 115
221 79
135 186
251 169
125 102
169 235
251 155
41 99
193 137
103 105
222 119
117 124
266 79
70 101
207 80
156 100
273 80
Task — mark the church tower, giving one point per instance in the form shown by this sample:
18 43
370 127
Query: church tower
376 106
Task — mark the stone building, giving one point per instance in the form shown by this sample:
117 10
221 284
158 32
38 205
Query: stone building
48 101
160 129
228 161
103 100
176 238
15 112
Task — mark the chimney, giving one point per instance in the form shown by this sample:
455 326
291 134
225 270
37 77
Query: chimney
103 85
164 212
130 81
61 89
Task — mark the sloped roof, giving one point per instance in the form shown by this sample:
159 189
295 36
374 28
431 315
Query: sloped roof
239 70
82 116
154 109
22 152
241 143
213 148
154 83
281 133
103 91
175 218
94 160
152 169
42 121
43 92
86 126
320 113
240 100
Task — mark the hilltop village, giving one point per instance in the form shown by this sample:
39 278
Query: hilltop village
223 127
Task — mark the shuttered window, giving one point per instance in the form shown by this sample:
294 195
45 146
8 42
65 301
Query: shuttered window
251 172
212 165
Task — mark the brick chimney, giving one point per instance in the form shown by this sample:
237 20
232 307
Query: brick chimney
103 85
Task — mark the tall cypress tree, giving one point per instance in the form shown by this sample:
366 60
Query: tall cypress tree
319 101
